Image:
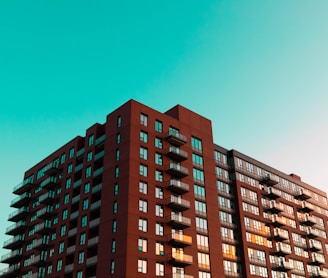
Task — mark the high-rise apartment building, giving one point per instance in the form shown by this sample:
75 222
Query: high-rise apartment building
149 194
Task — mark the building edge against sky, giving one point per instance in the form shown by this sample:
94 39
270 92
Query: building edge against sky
149 194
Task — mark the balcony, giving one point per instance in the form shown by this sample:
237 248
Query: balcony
179 221
303 194
72 232
314 245
176 203
47 198
43 228
42 243
50 169
318 259
11 271
99 155
177 186
12 257
74 215
79 167
272 193
48 183
278 221
179 240
24 186
94 223
179 275
98 172
93 241
14 243
318 273
308 220
312 233
96 205
71 250
16 228
92 261
282 249
268 180
175 169
273 207
38 260
176 153
280 235
180 259
21 200
18 214
282 265
176 138
45 212
69 268
100 139
97 189
306 207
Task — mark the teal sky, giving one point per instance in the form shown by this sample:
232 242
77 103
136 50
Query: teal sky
258 69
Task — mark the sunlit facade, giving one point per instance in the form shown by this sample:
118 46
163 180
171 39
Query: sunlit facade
149 194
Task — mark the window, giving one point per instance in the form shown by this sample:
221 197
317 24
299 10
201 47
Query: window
49 271
85 204
62 158
62 230
203 260
117 155
158 126
198 175
79 274
143 153
202 242
66 199
113 246
142 225
118 138
59 264
143 170
143 119
159 175
84 221
69 168
114 226
159 229
87 188
159 210
142 245
81 258
117 171
88 172
61 247
201 223
112 267
143 187
143 205
158 143
89 156
197 159
68 183
115 189
200 207
82 238
142 266
115 207
158 159
65 214
159 248
143 136
159 269
71 153
196 144
119 121
91 140
199 190
159 192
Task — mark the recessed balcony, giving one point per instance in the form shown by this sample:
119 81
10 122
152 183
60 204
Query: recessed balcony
93 241
94 223
12 257
303 194
176 138
69 268
308 220
312 233
16 228
314 245
177 170
272 193
21 200
282 265
71 250
18 214
47 198
50 169
273 207
176 153
177 203
282 249
179 221
24 186
177 186
92 261
280 235
48 183
268 180
306 207
179 240
318 259
180 259
14 242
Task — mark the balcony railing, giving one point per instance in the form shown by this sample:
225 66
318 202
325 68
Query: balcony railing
21 200
42 243
180 259
303 194
179 221
177 203
44 227
178 186
176 138
14 242
318 259
10 271
23 186
100 139
45 212
18 214
315 245
176 153
50 169
273 193
48 183
308 220
177 170
280 235
11 257
306 207
282 265
278 220
179 275
273 207
92 261
269 180
47 197
312 233
318 273
16 228
282 249
179 240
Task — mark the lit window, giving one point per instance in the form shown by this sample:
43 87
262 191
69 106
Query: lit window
142 245
143 205
159 269
159 248
159 175
142 225
142 266
143 187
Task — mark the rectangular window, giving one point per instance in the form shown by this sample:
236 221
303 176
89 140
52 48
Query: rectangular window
85 204
142 225
84 221
159 229
158 126
87 188
65 214
199 191
82 238
143 136
59 264
142 187
112 267
159 210
160 269
62 230
119 121
159 248
197 159
66 199
115 207
143 170
198 175
62 158
88 172
142 266
144 119
159 175
117 171
69 168
159 192
158 159
113 246
158 143
71 153
61 247
91 140
142 245
118 138
115 189
117 155
196 144
68 183
143 153
114 226
81 257
143 206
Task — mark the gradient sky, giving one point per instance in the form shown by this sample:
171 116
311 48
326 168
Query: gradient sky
258 69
